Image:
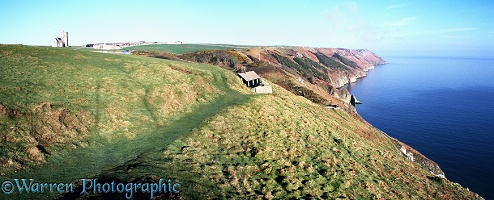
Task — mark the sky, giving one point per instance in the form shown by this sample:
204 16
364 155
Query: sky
389 28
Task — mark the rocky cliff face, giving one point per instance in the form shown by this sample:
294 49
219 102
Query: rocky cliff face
342 66
364 59
315 73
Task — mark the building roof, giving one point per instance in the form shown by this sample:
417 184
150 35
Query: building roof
250 75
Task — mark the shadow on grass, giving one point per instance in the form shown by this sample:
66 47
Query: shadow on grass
102 157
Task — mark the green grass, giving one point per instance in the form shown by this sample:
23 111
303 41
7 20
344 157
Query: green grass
282 146
67 115
102 155
131 106
182 48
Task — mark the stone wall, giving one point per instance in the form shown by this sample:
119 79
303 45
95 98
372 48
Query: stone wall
268 89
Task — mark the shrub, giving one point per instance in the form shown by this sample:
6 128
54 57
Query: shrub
345 61
302 66
313 67
330 62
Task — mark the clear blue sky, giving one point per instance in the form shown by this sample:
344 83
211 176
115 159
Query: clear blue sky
398 27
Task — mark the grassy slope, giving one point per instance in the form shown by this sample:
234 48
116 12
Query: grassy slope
180 48
150 117
284 146
131 105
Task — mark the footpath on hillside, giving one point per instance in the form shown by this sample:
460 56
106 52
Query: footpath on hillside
101 158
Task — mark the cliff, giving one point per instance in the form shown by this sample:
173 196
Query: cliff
417 157
358 61
315 73
312 73
68 114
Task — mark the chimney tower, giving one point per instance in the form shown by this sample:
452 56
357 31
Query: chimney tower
65 38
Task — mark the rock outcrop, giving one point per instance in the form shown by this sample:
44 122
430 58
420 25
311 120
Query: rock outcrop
354 101
417 157
363 58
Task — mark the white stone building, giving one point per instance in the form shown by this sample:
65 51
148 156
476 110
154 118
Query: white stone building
61 42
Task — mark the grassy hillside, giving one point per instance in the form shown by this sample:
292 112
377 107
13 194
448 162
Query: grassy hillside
98 110
181 48
314 73
283 146
66 115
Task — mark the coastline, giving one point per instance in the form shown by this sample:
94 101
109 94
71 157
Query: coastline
335 147
406 150
411 153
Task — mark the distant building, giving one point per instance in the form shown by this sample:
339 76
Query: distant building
57 42
61 42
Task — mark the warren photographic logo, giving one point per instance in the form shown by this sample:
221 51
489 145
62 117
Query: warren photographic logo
22 185
31 186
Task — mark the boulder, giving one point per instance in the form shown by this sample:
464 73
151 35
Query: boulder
354 101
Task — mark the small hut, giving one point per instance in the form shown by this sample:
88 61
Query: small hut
250 78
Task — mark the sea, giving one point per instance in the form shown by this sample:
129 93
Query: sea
441 106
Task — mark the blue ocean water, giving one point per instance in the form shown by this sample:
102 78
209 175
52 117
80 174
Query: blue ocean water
443 107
